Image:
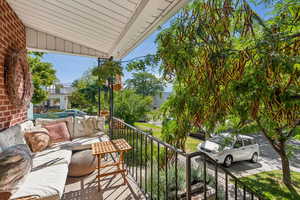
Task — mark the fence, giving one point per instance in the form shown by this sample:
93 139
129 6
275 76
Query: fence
165 172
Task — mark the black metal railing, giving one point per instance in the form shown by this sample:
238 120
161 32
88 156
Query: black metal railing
165 172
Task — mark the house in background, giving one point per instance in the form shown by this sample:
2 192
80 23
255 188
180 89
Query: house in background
59 96
160 99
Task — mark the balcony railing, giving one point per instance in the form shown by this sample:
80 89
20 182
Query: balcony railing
165 172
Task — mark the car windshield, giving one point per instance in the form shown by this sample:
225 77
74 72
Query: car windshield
223 141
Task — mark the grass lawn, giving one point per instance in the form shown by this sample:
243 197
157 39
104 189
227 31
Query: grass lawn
190 145
297 137
272 186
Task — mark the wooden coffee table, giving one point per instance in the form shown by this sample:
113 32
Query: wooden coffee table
99 149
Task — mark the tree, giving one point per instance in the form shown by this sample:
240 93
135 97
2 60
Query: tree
85 94
228 62
128 105
131 107
145 83
43 75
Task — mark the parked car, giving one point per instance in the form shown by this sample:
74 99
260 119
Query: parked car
227 148
66 113
75 112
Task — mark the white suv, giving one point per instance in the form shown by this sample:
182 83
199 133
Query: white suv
227 148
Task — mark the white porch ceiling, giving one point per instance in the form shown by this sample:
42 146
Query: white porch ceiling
98 28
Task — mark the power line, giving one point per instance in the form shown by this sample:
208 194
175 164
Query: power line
135 58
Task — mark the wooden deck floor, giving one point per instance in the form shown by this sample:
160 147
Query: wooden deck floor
112 187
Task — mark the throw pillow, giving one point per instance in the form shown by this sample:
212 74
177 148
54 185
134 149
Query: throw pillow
4 195
68 120
98 123
15 164
58 131
38 139
80 129
87 126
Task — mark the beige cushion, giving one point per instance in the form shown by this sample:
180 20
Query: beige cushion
82 163
82 128
48 174
87 126
97 122
85 142
37 139
68 120
15 165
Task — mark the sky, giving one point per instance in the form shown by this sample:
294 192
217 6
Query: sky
69 68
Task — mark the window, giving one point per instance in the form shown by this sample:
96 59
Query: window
248 141
238 144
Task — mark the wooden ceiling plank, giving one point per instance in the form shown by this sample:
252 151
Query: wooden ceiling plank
61 19
111 7
125 4
63 25
74 37
60 45
56 10
76 12
91 13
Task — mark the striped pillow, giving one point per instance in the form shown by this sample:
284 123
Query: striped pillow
15 164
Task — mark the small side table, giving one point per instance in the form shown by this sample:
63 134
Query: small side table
113 146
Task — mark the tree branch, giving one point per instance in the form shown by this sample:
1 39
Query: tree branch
272 142
291 133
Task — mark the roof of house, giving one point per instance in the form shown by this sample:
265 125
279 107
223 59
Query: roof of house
97 28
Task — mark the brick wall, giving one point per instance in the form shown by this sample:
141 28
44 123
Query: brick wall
12 36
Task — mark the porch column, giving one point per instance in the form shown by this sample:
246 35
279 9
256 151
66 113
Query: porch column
111 106
99 90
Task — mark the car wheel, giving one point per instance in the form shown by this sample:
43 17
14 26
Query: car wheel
228 161
254 158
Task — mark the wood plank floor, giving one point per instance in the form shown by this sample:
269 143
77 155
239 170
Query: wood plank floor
112 187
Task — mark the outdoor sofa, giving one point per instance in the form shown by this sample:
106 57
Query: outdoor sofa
50 167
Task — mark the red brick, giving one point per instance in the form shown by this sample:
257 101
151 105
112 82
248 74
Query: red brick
12 36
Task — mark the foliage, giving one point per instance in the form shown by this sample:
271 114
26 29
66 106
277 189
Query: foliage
85 94
160 189
131 107
109 69
190 143
297 137
228 62
43 75
175 130
143 63
128 105
145 83
269 185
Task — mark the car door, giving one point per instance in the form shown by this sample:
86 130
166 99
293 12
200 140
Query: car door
250 148
239 152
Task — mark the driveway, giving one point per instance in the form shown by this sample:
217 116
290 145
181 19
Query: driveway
269 159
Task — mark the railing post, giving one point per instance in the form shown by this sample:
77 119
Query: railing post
188 177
